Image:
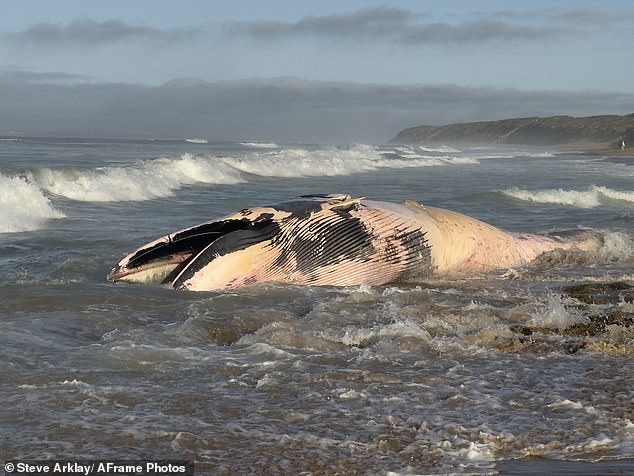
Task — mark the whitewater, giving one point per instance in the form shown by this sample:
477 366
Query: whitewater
499 373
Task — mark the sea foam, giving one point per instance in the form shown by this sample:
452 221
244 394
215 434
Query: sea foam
592 197
145 180
162 177
23 206
333 161
559 313
260 145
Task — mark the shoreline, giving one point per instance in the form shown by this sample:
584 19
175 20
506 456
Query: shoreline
592 148
581 148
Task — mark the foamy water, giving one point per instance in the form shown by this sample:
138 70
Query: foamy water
260 145
592 197
145 180
23 206
452 375
162 177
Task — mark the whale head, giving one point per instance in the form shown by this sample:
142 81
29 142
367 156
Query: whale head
315 239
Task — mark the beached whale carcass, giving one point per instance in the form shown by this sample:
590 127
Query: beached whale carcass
334 240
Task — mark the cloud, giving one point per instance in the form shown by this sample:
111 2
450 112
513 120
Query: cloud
377 23
591 17
48 77
93 33
480 30
402 26
367 22
281 109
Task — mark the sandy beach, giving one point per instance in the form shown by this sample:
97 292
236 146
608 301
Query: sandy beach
596 148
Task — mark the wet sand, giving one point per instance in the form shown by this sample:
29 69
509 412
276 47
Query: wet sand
596 148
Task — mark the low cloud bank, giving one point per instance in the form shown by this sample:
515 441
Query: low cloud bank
283 109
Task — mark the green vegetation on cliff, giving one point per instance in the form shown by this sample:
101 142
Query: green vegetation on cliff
608 131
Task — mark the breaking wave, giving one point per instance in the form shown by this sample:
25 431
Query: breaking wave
592 197
144 181
299 162
474 153
158 178
260 145
23 206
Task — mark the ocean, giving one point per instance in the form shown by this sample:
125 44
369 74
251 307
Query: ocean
507 372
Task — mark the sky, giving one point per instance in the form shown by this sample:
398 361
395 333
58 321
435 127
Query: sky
353 71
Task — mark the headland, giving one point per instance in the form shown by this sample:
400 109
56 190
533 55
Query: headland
611 133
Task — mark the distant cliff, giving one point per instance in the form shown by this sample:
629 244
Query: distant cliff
608 131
